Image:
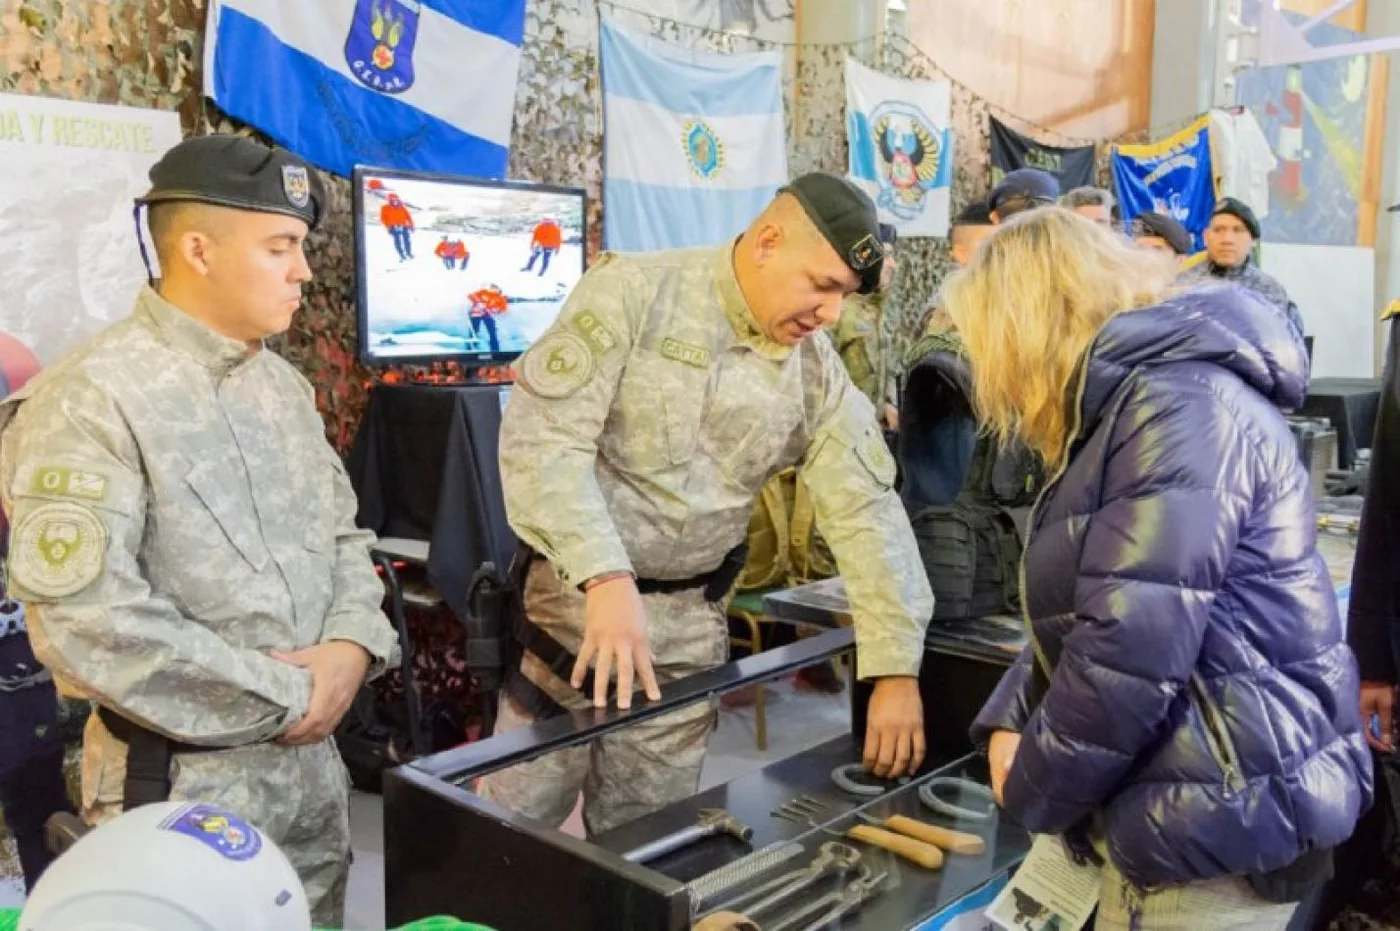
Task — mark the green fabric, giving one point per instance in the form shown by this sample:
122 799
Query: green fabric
9 921
751 602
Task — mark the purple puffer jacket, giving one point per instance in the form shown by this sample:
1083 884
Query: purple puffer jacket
1203 703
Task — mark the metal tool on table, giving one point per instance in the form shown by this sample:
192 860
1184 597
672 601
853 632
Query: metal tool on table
741 872
713 821
850 778
942 838
916 851
928 794
833 906
833 859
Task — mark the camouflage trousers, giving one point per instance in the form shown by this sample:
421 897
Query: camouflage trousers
636 769
299 797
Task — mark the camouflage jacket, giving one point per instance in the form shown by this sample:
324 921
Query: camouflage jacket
645 421
178 514
1255 279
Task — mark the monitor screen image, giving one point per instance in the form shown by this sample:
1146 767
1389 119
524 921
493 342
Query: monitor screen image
460 268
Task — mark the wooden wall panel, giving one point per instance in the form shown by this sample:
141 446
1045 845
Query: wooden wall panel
1081 68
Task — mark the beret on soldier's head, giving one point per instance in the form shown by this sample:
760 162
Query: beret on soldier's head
846 217
240 173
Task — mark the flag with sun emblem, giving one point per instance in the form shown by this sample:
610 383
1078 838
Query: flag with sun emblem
693 142
426 86
901 147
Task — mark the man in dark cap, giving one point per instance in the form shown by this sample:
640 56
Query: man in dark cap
184 537
1160 232
1021 190
1230 240
641 428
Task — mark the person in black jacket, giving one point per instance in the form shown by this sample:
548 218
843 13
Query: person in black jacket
1373 621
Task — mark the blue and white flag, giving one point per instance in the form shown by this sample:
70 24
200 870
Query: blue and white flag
1172 176
901 147
693 143
426 85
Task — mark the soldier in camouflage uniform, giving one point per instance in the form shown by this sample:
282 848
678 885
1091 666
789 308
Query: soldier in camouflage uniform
184 536
1230 240
640 430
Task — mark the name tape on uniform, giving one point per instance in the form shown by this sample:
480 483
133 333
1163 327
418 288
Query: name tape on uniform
687 353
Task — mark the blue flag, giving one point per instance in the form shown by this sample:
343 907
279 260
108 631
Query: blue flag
694 145
1172 177
425 85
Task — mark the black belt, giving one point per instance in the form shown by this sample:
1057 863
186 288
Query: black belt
560 661
147 759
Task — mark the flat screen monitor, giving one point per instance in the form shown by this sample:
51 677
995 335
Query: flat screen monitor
462 269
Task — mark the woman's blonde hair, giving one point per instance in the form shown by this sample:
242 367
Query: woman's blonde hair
1028 305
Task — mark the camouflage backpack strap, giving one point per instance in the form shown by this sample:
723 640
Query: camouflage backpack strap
770 556
811 558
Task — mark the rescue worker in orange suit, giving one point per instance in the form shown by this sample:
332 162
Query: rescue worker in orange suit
447 251
545 242
485 305
459 251
399 222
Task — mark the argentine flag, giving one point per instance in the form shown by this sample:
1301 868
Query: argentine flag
693 142
425 85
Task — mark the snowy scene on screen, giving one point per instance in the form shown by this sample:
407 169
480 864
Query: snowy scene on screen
461 269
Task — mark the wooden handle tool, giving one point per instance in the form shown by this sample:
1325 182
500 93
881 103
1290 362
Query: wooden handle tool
916 851
942 838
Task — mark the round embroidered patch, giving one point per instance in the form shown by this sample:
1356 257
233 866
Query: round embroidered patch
559 365
58 550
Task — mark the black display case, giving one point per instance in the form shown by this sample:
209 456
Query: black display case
448 851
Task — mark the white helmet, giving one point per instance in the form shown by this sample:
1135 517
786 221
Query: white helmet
176 866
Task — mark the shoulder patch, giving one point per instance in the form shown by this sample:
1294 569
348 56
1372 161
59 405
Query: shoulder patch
688 353
600 339
558 365
1392 311
69 483
58 550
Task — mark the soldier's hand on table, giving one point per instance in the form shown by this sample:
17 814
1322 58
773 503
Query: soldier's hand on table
615 631
337 671
891 416
1378 701
1001 753
894 728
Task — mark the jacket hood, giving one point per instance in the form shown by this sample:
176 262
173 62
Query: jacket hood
1220 324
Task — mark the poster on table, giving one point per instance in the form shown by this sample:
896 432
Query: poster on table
67 235
901 147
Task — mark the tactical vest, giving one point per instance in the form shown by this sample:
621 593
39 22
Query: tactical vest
967 495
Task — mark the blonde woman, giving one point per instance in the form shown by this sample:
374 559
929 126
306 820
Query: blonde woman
1188 709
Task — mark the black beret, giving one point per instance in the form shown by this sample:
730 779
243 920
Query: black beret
974 214
1163 227
237 172
846 217
1240 211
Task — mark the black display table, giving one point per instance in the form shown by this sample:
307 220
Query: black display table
424 465
1351 405
963 663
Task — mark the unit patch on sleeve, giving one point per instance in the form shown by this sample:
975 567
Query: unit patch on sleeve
558 365
58 550
69 483
600 338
